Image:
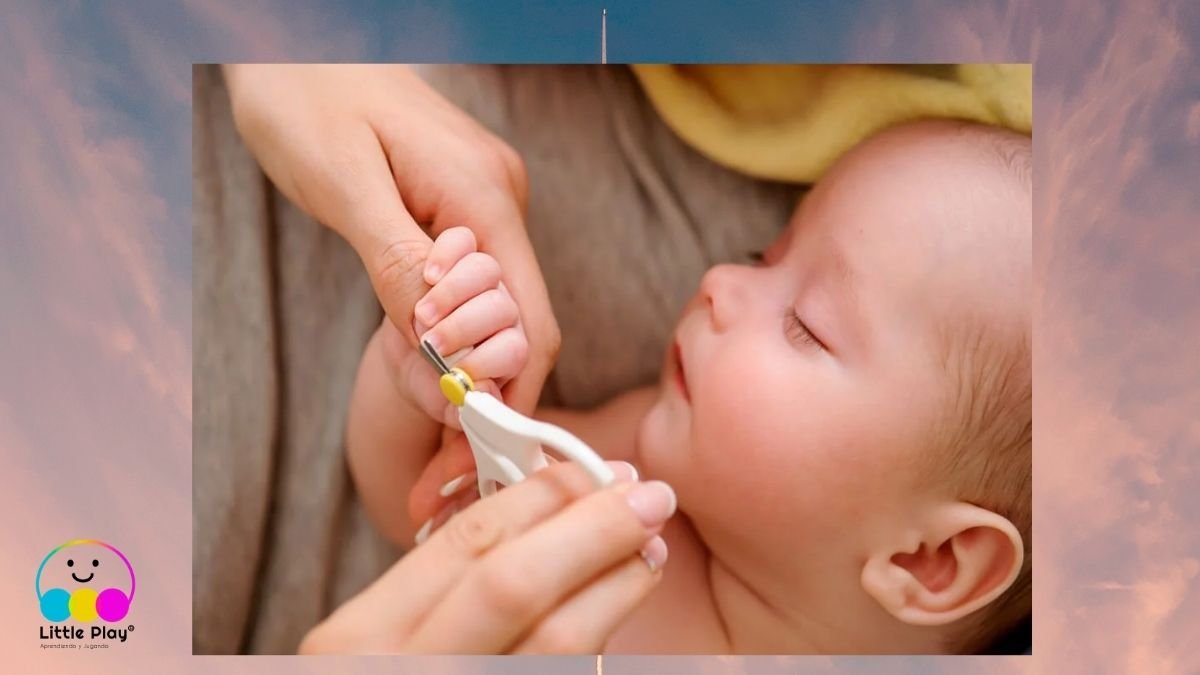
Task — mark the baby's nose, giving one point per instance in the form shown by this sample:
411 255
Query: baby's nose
725 290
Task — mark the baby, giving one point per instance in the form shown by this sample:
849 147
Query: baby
846 422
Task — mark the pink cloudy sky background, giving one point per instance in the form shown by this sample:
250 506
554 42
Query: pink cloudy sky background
95 312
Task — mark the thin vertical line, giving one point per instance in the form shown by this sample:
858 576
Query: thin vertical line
604 35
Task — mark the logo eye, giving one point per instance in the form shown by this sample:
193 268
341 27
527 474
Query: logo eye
70 563
95 563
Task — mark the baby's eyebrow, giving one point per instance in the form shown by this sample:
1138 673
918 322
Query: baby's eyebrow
847 282
840 266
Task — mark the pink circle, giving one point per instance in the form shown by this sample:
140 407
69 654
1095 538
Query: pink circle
111 605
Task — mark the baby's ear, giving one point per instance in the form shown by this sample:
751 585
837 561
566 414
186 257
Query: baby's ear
960 558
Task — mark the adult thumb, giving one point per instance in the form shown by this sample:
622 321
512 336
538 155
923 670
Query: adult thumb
371 216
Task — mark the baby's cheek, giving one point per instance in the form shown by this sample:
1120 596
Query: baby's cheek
740 446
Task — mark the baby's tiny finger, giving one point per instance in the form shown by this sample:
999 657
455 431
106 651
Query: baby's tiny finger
470 276
499 357
449 247
453 459
473 322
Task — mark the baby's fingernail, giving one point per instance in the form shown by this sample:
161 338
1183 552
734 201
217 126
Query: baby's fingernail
457 356
653 502
452 486
428 336
423 533
419 327
433 273
425 312
623 472
488 387
655 554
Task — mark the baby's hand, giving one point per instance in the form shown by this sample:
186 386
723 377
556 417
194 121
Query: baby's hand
467 306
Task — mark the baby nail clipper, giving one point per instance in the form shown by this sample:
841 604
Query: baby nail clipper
505 443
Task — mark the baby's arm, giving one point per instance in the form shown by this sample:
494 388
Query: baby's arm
389 440
397 409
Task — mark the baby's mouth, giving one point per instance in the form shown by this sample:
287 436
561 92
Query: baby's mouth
680 377
83 581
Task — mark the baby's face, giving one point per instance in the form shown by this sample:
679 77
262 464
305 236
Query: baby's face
800 392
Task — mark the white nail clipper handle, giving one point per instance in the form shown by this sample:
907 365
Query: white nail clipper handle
507 445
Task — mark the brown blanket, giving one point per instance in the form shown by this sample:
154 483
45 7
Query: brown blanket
624 217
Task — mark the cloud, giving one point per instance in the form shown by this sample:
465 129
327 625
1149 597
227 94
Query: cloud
275 31
95 373
1193 123
1114 264
96 369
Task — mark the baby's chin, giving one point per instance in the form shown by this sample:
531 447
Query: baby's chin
663 439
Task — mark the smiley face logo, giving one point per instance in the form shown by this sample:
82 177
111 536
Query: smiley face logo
82 561
90 576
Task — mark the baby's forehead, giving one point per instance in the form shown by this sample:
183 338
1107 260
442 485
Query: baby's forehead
956 153
929 224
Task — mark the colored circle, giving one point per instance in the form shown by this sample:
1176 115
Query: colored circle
54 605
83 605
111 605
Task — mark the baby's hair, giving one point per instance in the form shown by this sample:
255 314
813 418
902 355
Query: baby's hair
1012 151
987 453
986 437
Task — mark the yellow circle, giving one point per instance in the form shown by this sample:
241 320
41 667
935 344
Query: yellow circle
455 385
83 605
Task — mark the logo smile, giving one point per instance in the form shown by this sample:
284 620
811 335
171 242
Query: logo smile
83 581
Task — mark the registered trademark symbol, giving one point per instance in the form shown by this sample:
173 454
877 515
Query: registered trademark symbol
130 628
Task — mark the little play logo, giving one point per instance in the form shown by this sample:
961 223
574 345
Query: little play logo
71 575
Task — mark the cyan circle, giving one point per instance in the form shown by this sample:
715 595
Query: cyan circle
55 605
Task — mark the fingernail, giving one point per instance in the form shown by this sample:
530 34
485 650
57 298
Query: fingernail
653 502
419 327
425 312
423 533
623 472
452 486
428 336
457 356
655 554
489 387
433 274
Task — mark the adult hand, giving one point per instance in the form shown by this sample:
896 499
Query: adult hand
548 565
371 151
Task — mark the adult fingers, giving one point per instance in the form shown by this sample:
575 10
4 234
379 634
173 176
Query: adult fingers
521 578
428 573
358 199
583 624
